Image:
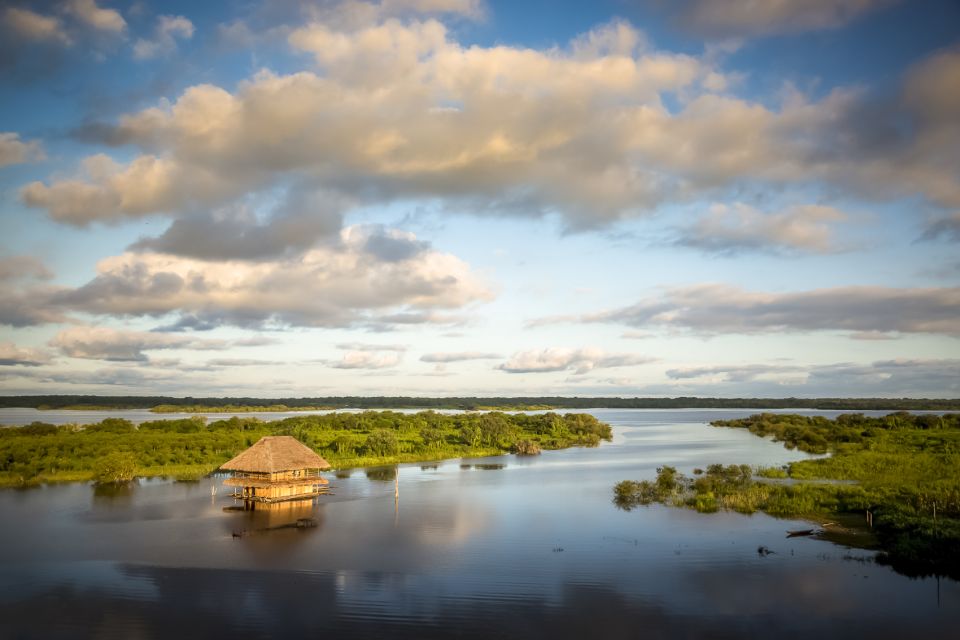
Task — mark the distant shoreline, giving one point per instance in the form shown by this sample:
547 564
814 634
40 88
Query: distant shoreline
470 403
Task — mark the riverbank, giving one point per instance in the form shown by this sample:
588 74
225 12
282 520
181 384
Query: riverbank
191 448
904 499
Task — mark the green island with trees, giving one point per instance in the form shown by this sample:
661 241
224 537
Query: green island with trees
481 403
114 449
889 483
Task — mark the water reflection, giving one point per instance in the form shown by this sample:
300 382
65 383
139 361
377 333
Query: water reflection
473 554
381 474
113 495
203 603
256 518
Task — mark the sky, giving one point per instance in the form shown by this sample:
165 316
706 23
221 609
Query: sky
277 198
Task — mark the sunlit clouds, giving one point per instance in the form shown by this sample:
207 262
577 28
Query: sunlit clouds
437 197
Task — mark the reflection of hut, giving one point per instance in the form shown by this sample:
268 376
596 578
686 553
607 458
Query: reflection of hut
277 468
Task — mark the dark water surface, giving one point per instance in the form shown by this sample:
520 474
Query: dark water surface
499 547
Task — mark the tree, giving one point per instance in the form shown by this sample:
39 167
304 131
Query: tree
382 442
432 437
471 434
116 468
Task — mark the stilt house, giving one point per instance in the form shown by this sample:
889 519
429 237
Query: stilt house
277 468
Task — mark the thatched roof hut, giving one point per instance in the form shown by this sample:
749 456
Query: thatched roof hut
275 469
272 454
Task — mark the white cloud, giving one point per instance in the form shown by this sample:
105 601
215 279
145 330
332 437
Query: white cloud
397 110
112 192
87 12
717 309
735 373
169 29
736 228
12 355
338 284
368 360
365 346
581 361
401 110
105 343
458 356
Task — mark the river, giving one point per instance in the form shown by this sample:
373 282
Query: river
499 547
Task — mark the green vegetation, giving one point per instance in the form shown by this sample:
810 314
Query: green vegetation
902 469
115 468
190 448
502 404
230 408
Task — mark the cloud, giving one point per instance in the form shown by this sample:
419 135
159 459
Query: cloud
25 302
31 26
740 228
105 343
768 17
603 129
735 373
393 245
719 309
367 360
135 379
581 361
12 355
236 233
338 284
23 267
901 377
242 362
87 12
946 228
923 378
110 192
458 356
168 30
364 346
354 14
396 111
15 151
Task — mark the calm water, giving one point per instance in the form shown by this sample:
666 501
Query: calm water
498 547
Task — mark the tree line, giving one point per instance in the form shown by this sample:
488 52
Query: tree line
482 403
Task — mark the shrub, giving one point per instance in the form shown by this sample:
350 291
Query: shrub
115 468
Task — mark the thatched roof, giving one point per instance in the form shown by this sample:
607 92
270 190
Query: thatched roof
276 453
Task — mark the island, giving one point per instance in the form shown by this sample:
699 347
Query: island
115 449
890 483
